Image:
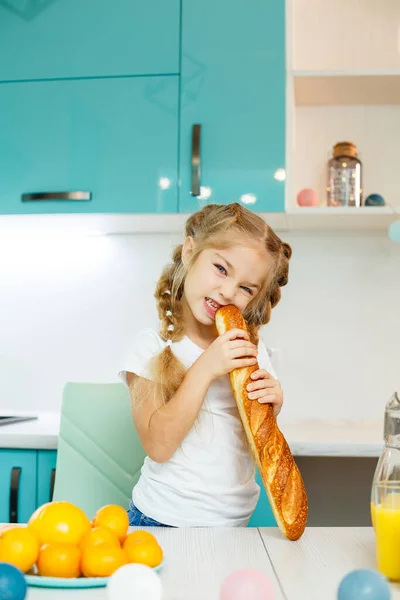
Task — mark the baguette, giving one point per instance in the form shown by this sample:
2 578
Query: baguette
280 475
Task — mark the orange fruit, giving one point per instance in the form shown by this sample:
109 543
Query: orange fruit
99 535
147 553
139 536
59 523
102 560
20 547
59 560
112 517
4 528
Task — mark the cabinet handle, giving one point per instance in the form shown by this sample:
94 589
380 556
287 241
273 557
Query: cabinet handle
196 132
14 493
56 196
52 482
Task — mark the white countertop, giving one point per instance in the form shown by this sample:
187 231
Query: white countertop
197 560
40 434
305 437
328 437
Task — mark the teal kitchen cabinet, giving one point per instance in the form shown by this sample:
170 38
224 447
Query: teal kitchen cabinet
88 38
112 140
17 485
262 515
46 471
233 86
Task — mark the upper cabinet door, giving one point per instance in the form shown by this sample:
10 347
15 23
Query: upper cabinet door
233 85
88 38
115 139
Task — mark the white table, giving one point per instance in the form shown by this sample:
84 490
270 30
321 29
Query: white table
198 560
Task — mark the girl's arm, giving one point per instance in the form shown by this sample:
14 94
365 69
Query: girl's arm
163 427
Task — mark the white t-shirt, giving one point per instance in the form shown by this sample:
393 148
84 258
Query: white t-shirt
210 480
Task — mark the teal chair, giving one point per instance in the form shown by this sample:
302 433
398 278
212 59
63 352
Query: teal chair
99 452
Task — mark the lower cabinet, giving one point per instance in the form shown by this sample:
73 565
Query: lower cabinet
46 473
263 515
26 479
18 485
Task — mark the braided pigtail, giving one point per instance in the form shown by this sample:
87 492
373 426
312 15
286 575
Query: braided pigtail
168 371
168 295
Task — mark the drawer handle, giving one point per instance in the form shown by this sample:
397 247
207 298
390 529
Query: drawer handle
14 494
56 196
52 482
196 133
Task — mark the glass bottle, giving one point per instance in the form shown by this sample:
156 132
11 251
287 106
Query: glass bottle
344 176
385 495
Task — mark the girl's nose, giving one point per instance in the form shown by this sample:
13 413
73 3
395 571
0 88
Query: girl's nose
228 291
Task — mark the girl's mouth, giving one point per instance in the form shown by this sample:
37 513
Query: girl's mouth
211 306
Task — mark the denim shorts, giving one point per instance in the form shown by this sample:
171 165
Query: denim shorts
137 518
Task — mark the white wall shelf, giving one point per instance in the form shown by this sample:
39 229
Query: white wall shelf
313 88
297 219
374 218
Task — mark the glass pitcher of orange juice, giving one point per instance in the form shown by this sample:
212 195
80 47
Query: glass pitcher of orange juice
385 496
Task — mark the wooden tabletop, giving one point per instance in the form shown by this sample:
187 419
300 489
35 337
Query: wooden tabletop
197 561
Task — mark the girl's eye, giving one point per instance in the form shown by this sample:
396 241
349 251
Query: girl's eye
221 269
248 290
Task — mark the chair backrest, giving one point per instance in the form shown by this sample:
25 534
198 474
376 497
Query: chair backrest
99 452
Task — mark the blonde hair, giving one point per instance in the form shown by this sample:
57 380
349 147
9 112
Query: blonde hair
208 228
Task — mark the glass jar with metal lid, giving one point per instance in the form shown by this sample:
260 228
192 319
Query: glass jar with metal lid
344 176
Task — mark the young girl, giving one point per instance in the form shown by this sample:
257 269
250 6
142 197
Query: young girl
199 470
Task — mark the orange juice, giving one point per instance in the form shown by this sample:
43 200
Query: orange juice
386 522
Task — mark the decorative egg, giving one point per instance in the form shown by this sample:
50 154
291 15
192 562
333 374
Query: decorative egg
364 584
12 583
307 197
133 581
374 200
247 584
394 231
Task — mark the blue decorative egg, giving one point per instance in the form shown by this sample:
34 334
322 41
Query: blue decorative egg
374 200
12 583
364 584
394 231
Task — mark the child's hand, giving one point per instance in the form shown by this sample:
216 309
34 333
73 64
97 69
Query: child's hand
232 350
266 389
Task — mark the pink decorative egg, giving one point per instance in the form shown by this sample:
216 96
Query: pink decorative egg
307 197
247 584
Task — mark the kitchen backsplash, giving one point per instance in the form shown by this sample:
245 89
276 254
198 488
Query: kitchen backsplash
68 308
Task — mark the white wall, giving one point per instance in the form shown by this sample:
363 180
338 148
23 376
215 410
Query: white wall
68 308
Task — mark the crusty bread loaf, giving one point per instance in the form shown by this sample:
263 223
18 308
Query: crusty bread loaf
281 477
